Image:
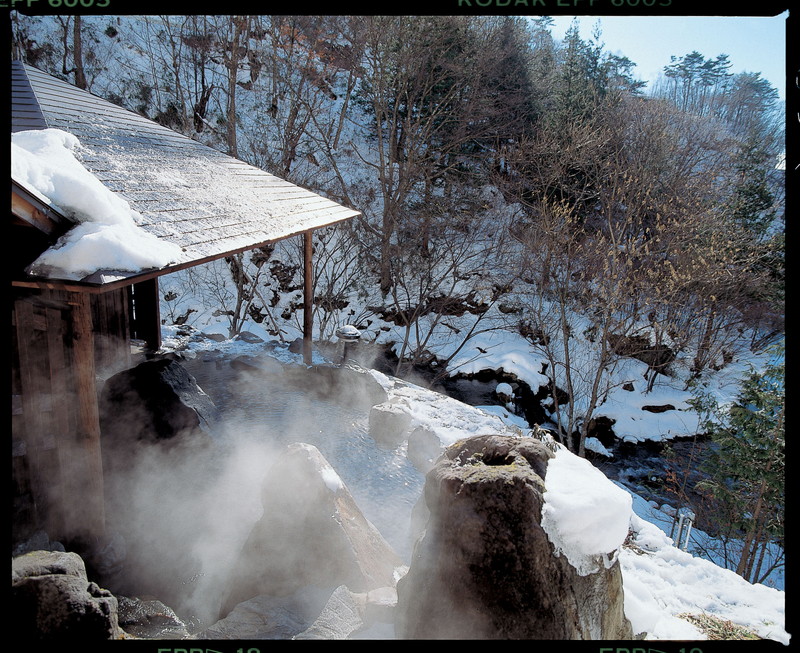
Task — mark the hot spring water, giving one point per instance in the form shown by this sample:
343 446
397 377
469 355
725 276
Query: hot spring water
266 404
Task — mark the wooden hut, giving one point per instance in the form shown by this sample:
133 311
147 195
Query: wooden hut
65 330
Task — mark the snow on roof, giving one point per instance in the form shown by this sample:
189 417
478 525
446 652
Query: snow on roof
106 236
199 203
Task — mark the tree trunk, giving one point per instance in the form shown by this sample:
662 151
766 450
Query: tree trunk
77 54
230 114
234 57
291 137
565 334
741 567
386 250
758 541
703 349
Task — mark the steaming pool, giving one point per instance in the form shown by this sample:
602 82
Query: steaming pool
269 405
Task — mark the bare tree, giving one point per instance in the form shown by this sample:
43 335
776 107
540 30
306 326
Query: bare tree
337 279
232 35
72 49
427 86
444 294
575 275
624 230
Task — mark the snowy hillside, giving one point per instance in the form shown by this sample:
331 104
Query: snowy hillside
661 581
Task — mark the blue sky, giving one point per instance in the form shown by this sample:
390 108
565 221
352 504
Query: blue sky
753 44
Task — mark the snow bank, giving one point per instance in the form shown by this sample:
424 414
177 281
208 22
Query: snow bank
508 418
107 236
662 581
505 351
450 419
632 423
585 515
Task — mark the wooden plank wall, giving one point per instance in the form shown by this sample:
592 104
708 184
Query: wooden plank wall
111 331
60 341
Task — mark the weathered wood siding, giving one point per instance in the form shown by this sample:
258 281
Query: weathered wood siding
110 324
62 342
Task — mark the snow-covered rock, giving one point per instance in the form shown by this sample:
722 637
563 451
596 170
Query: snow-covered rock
586 521
485 566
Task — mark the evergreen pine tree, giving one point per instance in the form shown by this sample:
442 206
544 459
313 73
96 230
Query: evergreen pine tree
746 466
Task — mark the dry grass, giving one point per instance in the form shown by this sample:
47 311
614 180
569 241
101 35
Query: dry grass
716 628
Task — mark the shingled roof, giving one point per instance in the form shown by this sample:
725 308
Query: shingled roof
208 203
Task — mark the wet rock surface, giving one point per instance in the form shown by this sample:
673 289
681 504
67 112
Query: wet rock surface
312 533
156 400
150 619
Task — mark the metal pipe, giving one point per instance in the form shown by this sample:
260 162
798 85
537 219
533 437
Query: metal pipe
685 518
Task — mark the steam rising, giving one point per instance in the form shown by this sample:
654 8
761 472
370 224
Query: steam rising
185 509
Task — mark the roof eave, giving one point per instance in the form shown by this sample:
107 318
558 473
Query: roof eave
30 208
107 280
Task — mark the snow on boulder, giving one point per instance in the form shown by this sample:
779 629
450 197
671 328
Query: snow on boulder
389 422
484 568
662 414
449 418
585 515
504 390
594 445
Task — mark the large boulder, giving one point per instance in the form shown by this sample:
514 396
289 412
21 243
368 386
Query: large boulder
52 599
270 617
157 400
149 618
484 567
160 451
424 448
347 385
311 533
342 615
309 613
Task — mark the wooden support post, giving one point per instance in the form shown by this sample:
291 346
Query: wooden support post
308 297
88 420
32 396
